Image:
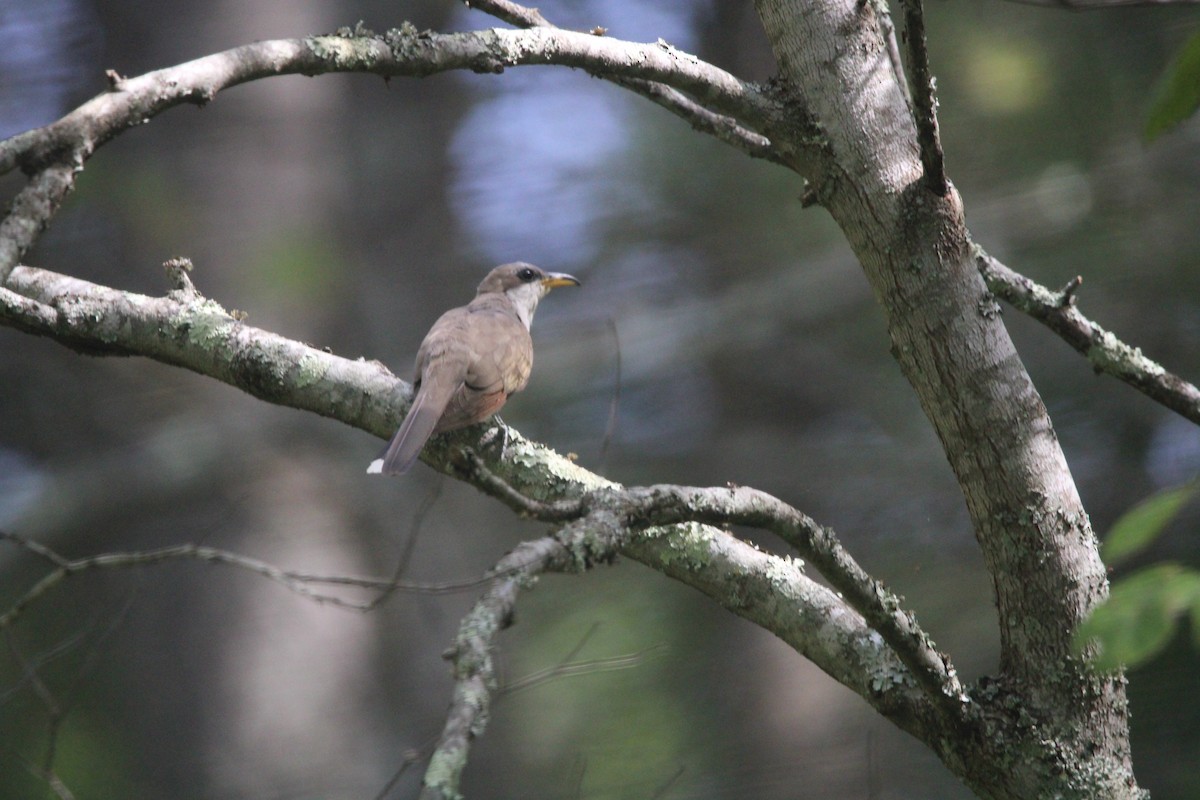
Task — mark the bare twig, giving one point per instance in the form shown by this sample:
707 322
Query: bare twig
402 51
1107 353
32 210
661 791
55 713
614 405
559 511
414 755
474 666
410 544
725 127
568 668
298 582
924 98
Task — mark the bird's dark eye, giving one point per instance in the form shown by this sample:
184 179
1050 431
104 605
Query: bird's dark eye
526 274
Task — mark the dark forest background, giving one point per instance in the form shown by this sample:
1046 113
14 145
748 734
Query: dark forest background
746 346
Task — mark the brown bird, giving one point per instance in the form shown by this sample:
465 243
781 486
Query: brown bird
471 360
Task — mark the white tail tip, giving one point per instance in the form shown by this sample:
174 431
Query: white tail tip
376 467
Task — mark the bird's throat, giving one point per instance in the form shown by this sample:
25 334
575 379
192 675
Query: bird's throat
524 299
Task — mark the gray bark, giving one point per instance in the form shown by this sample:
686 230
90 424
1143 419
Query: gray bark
997 436
1045 725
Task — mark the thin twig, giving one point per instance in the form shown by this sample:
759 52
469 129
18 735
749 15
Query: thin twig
298 582
31 210
724 127
410 544
588 667
414 755
924 99
661 791
488 481
614 405
1058 311
474 666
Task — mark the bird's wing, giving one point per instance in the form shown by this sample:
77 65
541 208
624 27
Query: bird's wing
500 360
442 367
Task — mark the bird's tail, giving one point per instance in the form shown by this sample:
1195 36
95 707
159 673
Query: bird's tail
402 451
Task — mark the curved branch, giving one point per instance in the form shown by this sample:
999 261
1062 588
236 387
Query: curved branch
53 155
32 210
1107 353
188 330
882 609
474 668
656 506
399 52
723 127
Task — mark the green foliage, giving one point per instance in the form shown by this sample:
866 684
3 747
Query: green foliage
1140 616
1139 619
1141 525
298 265
1178 94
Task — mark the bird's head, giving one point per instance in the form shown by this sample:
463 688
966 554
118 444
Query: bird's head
524 284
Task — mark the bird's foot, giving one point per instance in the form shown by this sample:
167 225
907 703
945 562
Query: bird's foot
499 432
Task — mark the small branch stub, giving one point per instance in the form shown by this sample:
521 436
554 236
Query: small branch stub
924 99
1067 296
177 270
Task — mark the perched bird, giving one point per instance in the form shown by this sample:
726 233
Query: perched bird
472 359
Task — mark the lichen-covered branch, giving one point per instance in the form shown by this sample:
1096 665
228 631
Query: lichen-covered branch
881 608
724 127
31 211
652 506
188 330
399 52
715 102
1107 353
474 666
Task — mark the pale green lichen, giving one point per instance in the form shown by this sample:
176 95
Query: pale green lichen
782 574
689 545
207 323
1110 354
342 52
444 768
311 369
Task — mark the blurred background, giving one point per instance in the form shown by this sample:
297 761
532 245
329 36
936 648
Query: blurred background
349 212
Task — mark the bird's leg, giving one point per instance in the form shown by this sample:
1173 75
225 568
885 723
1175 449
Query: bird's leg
500 432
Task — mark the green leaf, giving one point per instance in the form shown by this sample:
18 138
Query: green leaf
1140 525
1178 93
1196 621
1139 618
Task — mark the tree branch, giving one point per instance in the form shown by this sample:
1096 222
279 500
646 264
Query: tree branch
53 155
663 505
293 580
399 52
187 330
655 506
924 99
32 210
726 128
1107 353
474 667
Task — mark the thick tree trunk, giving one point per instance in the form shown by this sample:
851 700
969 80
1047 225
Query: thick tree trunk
1048 727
